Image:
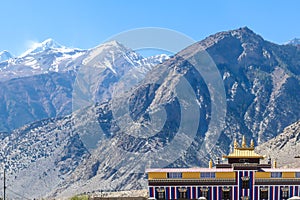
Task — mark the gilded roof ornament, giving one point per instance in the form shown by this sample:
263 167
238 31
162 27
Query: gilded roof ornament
244 142
235 144
210 164
244 151
252 144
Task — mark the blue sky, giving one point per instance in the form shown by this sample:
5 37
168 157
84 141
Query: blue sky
87 23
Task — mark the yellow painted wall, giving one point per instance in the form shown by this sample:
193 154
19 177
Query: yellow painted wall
225 174
288 174
157 175
191 175
263 175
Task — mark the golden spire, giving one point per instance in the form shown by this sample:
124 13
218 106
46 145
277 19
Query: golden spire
235 144
252 144
244 142
275 164
210 164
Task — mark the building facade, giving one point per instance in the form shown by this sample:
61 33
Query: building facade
242 177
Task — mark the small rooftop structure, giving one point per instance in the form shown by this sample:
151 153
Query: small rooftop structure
243 151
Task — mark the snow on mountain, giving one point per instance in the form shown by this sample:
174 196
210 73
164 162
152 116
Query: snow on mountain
105 65
50 155
5 55
43 46
48 77
294 42
107 55
47 56
50 56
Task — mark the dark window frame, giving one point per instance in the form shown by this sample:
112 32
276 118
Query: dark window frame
245 182
264 194
161 193
226 195
204 192
284 193
244 160
182 193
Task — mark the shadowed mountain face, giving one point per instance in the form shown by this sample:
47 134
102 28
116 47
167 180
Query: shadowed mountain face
34 98
174 117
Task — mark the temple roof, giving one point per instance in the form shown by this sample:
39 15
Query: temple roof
243 151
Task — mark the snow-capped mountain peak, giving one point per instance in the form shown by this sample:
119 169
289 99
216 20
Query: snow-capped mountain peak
44 57
294 42
43 46
111 46
50 43
5 55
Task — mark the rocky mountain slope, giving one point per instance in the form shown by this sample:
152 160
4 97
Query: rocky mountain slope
284 147
39 83
261 82
185 111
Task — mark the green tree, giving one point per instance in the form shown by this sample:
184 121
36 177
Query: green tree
81 197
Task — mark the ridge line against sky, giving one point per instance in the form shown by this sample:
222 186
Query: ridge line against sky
86 24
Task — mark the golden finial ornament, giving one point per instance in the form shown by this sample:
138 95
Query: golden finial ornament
235 144
210 164
244 142
275 164
252 144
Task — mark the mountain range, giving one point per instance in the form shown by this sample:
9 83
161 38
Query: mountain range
39 83
101 116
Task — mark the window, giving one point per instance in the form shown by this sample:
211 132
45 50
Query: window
284 193
225 193
175 175
297 174
244 161
160 193
207 175
245 182
264 193
204 192
276 174
182 193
